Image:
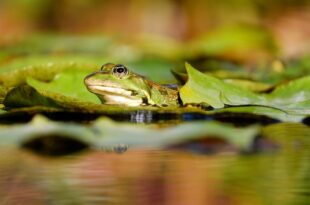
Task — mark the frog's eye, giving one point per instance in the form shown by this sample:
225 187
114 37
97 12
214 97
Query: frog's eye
120 71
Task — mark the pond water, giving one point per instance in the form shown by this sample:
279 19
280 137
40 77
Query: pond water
140 176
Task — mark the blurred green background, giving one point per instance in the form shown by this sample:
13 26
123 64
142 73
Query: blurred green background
241 30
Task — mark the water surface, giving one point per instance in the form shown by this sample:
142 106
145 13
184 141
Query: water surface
141 176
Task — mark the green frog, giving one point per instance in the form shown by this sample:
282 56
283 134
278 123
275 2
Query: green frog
115 84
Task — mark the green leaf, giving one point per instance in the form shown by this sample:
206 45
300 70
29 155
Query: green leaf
292 98
26 96
202 88
43 72
249 85
66 90
296 93
68 83
270 112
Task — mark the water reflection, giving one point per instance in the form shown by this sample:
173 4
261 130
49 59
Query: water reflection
140 176
138 117
141 116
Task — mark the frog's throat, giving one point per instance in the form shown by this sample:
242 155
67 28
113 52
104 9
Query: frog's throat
115 95
99 89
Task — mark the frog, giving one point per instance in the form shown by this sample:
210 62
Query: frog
115 84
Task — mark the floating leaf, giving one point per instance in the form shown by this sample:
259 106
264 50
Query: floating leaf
202 88
272 113
26 96
43 72
242 83
293 98
68 83
296 91
249 85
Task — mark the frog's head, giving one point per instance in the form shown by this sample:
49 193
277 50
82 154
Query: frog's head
115 84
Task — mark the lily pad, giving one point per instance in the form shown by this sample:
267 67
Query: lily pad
296 91
293 97
43 72
272 113
253 86
202 88
68 83
26 96
289 102
243 83
106 134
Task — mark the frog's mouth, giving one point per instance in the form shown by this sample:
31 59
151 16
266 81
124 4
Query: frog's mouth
115 95
100 89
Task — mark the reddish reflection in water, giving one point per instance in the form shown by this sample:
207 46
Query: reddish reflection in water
151 177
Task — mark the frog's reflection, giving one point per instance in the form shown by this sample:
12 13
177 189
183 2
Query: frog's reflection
141 116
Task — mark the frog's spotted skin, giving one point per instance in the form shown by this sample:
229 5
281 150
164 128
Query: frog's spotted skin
115 84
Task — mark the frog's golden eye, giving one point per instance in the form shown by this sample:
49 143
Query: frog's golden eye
120 71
